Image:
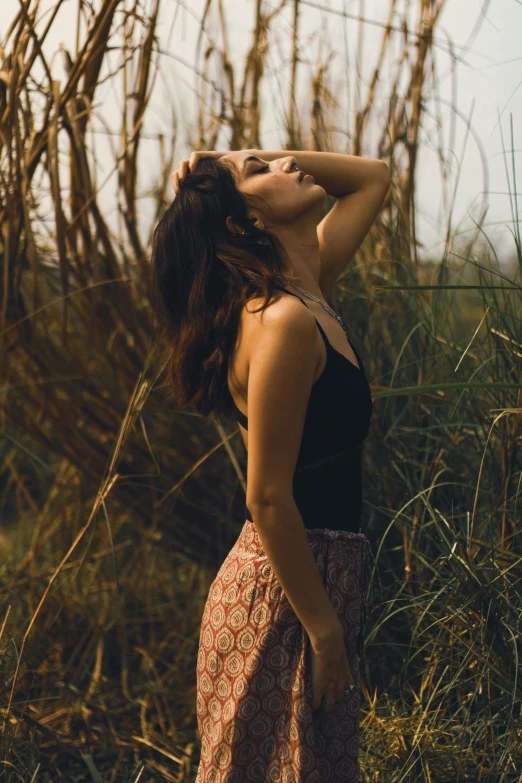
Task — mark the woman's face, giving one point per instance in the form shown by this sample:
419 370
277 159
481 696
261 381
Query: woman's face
287 195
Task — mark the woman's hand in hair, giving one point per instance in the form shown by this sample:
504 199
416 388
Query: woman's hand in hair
190 164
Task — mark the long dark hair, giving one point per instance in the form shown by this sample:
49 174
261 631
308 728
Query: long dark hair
201 277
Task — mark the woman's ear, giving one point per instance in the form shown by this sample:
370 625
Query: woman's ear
233 226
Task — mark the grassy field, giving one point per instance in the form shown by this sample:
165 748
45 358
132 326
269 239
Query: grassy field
116 510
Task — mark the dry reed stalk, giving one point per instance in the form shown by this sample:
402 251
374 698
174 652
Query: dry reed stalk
241 114
293 142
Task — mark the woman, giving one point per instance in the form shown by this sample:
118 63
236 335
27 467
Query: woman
240 272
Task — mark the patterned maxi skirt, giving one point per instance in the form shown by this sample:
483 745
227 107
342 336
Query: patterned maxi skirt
254 687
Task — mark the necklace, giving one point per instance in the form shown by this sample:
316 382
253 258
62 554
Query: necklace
328 309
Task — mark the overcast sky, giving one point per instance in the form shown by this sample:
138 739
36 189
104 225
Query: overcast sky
488 87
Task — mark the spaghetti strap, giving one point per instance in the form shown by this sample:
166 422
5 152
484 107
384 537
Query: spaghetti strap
327 341
323 334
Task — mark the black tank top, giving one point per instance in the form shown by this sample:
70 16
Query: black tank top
327 482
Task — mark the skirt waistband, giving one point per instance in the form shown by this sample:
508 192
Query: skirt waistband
370 576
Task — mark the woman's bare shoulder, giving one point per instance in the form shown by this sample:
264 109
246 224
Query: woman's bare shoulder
282 311
280 305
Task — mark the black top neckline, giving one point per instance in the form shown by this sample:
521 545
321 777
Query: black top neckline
359 368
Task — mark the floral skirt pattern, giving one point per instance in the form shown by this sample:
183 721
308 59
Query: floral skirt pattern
254 687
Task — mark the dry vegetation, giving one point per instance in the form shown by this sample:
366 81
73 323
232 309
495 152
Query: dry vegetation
117 511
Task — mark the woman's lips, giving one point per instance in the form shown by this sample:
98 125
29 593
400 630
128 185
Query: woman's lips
308 176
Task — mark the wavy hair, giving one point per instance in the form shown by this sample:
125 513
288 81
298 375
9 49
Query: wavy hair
202 276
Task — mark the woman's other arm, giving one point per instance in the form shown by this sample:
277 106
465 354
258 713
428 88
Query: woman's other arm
339 174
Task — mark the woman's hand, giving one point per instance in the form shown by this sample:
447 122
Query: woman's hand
190 164
331 673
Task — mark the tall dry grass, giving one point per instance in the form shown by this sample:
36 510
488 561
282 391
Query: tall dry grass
117 511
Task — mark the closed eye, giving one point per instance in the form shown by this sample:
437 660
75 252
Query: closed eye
263 169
